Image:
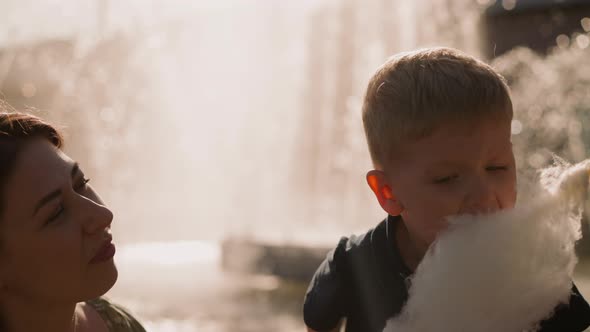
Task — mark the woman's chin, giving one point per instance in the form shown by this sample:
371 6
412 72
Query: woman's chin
101 280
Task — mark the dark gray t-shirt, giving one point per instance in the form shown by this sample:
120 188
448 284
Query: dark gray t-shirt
364 279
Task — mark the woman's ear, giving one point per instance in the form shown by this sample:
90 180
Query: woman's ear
383 191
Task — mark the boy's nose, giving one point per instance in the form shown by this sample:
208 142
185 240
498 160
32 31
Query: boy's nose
481 198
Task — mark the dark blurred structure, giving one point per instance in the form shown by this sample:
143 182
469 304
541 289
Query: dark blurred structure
531 23
292 262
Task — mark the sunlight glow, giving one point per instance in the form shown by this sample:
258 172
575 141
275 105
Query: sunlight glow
170 253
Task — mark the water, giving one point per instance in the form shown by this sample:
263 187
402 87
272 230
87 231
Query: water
180 287
194 294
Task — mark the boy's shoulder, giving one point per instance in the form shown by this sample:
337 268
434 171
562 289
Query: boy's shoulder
360 279
573 316
352 247
360 243
358 252
374 249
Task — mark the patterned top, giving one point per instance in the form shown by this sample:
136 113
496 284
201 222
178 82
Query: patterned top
116 317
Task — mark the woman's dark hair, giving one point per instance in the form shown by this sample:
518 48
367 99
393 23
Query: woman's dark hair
15 129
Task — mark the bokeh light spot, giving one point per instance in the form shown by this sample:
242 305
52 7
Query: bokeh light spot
29 90
536 160
563 41
583 41
509 4
575 127
516 127
485 2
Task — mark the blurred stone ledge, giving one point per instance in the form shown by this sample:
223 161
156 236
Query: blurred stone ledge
287 261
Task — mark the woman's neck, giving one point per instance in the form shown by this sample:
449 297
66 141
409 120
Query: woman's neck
20 315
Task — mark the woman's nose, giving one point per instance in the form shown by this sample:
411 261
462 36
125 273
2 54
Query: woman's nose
96 217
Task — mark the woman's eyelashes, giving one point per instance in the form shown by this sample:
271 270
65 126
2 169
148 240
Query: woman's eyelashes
81 186
56 214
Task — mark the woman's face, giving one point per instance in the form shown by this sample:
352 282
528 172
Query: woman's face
54 230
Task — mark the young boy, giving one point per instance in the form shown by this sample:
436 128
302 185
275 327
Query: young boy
438 126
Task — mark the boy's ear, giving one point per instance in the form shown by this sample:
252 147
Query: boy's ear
381 187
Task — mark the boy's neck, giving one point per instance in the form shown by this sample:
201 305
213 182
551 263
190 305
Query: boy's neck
410 253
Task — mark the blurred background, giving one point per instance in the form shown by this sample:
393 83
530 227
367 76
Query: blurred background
226 134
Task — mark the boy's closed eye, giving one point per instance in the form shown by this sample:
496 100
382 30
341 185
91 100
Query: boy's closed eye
445 179
452 177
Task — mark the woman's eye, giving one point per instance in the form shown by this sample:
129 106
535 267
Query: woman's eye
445 179
56 214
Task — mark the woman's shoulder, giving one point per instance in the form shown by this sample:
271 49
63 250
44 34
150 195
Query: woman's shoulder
117 318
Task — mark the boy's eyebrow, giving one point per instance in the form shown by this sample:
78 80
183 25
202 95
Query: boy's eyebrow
443 164
438 169
55 193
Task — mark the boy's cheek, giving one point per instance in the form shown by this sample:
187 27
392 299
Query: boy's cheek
508 200
432 227
434 234
442 226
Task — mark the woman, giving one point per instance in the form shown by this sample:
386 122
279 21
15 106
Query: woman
56 251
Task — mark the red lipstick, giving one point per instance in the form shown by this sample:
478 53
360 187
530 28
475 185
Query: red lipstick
105 252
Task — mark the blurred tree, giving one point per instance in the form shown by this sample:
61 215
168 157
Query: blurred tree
532 23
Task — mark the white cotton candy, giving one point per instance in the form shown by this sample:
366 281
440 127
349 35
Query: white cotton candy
505 271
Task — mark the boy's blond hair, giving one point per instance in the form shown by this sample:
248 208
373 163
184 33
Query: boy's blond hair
413 92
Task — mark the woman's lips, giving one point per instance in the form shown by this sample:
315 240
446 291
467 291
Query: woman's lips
106 252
